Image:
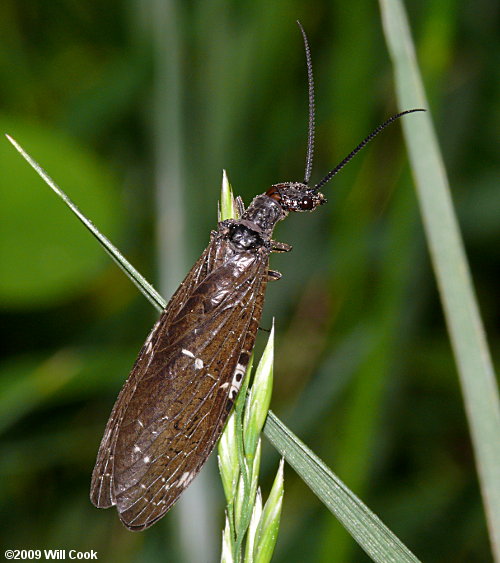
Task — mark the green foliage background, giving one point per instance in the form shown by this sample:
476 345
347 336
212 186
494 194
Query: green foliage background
115 99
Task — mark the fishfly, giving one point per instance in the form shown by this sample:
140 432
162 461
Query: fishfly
175 402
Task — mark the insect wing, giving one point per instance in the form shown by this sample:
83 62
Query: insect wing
174 405
101 490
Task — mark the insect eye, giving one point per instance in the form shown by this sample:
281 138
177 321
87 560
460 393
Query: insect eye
307 203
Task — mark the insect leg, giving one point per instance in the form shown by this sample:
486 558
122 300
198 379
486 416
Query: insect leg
273 275
280 246
240 206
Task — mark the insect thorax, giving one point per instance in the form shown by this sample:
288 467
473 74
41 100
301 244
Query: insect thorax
256 226
263 214
244 237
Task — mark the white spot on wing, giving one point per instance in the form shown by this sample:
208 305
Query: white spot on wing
148 343
147 459
150 335
239 372
188 353
198 363
185 479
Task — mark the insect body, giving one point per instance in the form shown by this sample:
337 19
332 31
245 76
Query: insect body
172 408
174 404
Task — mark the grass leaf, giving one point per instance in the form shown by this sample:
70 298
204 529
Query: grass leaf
461 310
366 528
145 287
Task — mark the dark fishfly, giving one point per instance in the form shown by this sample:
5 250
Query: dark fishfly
172 408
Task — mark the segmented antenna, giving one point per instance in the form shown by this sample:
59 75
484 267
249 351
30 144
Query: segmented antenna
363 143
310 81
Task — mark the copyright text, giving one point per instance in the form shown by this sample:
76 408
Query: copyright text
50 554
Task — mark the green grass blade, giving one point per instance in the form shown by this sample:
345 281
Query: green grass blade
469 344
366 528
226 205
144 286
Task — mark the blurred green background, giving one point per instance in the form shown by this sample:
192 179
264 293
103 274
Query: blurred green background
134 108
